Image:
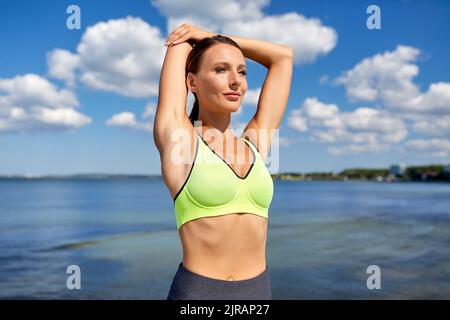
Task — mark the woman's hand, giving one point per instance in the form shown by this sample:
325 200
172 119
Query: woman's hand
187 32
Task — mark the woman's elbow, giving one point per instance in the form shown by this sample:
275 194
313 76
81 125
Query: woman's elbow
288 52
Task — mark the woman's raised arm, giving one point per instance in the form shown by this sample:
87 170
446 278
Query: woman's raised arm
263 52
171 109
278 59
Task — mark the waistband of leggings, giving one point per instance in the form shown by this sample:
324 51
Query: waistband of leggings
183 269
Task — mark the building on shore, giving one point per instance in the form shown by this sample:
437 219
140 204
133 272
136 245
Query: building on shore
447 169
397 170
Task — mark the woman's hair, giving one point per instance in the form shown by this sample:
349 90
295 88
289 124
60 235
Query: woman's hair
193 62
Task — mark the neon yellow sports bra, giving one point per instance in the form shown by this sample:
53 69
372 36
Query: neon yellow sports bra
212 188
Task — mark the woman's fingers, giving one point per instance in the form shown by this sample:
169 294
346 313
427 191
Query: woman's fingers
183 36
184 33
177 33
171 37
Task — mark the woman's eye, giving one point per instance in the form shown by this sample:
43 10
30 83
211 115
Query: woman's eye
243 72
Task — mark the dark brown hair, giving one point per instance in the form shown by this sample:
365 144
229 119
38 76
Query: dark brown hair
193 63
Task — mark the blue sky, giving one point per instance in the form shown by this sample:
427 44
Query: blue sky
82 101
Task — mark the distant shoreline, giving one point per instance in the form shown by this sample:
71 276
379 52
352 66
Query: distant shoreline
431 173
94 176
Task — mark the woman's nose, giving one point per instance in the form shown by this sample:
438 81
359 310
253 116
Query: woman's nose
235 79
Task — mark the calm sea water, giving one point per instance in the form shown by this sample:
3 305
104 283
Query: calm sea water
322 237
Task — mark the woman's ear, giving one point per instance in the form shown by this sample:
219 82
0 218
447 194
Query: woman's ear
191 82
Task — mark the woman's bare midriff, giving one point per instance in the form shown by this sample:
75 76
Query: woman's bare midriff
228 247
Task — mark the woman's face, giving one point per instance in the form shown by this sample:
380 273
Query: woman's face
222 70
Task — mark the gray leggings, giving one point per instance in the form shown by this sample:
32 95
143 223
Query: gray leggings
188 285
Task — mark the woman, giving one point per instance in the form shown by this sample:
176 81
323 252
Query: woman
221 194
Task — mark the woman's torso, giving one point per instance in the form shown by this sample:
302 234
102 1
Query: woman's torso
226 247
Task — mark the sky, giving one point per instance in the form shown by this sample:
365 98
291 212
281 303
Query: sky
83 100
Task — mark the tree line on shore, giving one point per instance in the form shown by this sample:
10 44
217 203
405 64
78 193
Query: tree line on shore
412 173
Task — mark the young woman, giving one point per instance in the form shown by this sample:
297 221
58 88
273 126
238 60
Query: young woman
221 194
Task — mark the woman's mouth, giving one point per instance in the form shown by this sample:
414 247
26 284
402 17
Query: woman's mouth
232 96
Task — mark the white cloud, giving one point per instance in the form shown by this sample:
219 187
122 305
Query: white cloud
307 36
65 117
433 126
435 100
388 78
31 103
251 97
384 76
297 121
150 110
362 130
31 89
433 147
316 110
128 120
369 119
357 148
123 56
62 65
282 141
385 79
209 13
123 119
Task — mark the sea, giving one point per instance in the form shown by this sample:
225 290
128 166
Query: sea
326 240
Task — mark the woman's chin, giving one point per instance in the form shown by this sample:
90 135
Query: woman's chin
231 107
235 109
